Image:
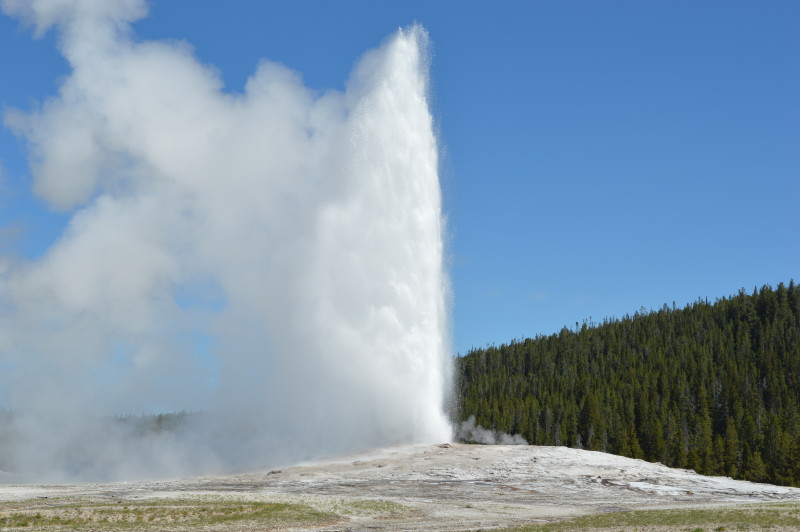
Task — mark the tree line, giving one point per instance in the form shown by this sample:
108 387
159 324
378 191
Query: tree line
713 387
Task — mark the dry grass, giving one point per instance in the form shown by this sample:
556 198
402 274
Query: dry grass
55 514
773 517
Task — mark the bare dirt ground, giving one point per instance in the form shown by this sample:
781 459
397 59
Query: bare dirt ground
439 487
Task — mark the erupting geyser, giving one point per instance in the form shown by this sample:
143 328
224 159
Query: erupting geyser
270 258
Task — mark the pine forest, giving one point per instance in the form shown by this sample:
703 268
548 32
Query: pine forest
713 387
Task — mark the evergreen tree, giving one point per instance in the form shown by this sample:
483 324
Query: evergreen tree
712 386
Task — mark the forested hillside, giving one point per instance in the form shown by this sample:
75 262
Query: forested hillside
714 387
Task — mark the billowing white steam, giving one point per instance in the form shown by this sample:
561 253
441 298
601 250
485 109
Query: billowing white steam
271 257
470 432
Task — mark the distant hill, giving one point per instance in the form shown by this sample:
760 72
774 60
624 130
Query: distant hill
713 387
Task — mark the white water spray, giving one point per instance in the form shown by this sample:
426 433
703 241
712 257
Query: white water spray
271 258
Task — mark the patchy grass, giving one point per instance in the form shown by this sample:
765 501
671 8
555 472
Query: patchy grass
54 514
370 507
780 516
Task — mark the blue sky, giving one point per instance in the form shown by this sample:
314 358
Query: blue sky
597 157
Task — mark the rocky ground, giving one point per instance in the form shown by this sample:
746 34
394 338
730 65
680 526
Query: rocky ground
439 487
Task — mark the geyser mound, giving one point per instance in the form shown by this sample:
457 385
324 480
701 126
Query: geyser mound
272 258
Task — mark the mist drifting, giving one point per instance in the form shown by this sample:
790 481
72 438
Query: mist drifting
272 258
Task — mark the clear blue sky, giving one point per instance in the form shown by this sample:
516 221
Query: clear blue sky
599 157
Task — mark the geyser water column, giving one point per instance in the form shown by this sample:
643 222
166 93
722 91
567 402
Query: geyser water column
360 351
379 256
271 257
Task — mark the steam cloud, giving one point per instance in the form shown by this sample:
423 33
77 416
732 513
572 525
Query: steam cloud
272 258
470 432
